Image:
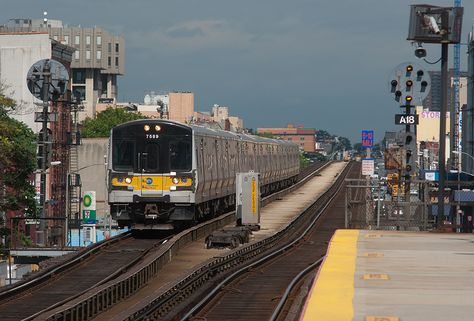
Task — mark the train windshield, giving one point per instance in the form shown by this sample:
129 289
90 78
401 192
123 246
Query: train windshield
122 157
160 154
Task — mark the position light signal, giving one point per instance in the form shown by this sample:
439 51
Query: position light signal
394 84
419 74
408 99
424 84
409 69
409 84
398 94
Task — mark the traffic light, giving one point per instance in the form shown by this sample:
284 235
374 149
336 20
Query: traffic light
409 162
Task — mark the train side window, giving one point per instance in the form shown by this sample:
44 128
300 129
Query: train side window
180 155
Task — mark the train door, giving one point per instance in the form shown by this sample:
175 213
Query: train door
149 163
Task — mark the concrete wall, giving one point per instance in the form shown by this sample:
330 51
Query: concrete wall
18 52
92 169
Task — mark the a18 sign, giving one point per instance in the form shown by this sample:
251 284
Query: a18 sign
401 119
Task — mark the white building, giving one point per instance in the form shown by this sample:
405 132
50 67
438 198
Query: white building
18 52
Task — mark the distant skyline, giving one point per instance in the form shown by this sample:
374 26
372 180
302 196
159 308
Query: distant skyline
324 64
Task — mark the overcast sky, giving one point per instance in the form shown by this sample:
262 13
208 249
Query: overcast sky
321 63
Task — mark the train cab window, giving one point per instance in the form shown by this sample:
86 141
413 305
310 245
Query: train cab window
152 163
180 155
122 158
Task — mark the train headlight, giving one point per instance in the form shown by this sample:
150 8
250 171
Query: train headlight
146 128
157 128
128 180
175 180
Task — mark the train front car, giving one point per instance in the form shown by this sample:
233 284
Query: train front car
151 180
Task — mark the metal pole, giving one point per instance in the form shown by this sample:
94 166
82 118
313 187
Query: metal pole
68 210
10 251
442 131
458 206
346 220
46 80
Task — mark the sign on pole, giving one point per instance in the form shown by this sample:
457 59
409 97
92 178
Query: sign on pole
89 208
368 166
401 119
368 138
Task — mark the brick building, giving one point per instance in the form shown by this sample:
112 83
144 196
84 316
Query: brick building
304 137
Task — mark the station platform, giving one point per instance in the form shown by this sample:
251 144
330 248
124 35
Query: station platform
394 276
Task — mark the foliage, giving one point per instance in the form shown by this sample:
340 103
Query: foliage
106 120
358 148
343 144
17 161
267 135
303 161
323 135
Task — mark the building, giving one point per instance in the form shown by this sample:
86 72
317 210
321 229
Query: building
433 100
304 137
177 106
18 52
97 61
220 115
468 113
181 106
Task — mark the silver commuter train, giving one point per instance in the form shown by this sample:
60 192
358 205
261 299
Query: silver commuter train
164 174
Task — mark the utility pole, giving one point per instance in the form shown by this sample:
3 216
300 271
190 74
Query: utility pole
46 73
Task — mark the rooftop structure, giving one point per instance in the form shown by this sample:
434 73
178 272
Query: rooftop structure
97 61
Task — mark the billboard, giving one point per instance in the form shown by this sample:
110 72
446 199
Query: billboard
368 138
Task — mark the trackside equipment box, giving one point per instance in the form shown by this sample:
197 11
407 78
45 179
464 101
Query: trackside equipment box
248 198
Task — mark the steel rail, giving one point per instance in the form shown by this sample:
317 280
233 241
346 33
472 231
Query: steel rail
51 272
289 289
87 305
274 254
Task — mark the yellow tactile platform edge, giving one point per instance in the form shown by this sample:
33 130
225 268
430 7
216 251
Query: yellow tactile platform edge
332 291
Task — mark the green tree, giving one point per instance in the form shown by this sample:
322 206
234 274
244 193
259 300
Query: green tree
17 161
106 120
265 134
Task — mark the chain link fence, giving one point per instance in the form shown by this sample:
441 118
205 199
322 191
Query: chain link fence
371 204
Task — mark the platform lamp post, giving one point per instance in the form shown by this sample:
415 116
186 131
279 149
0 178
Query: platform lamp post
438 25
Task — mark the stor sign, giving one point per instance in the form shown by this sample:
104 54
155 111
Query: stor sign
89 208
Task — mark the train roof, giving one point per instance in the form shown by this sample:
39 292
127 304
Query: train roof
210 131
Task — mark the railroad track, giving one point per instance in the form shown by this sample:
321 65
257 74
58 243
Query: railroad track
62 283
175 302
265 289
88 270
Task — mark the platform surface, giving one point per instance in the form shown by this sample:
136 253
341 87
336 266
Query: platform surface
394 276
